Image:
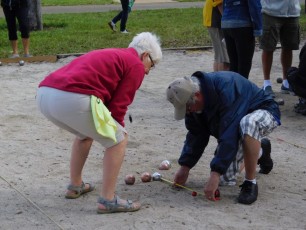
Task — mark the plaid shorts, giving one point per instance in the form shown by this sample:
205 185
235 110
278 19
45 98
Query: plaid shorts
257 124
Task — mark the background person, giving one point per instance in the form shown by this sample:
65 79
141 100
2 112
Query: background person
122 16
17 9
241 23
280 23
98 82
297 78
212 13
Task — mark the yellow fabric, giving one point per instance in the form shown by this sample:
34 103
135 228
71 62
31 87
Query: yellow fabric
207 11
104 122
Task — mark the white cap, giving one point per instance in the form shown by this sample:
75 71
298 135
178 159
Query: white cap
178 94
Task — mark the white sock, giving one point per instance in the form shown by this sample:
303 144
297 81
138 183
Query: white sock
253 181
286 83
267 83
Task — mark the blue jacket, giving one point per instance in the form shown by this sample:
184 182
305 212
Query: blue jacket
228 97
242 13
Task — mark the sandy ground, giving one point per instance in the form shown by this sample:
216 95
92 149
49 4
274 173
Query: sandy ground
35 161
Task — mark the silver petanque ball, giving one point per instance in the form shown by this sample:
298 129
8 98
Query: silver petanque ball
21 62
156 176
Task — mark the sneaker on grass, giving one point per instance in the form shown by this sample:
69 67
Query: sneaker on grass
112 26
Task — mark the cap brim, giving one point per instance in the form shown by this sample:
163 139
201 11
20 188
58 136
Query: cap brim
179 113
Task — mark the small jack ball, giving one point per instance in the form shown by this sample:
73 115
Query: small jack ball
21 62
194 193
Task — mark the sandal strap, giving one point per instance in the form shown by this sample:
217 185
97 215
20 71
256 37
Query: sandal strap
113 205
77 189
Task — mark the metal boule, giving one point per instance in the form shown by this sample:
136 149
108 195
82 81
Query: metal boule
156 176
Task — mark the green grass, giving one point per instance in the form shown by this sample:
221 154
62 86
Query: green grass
88 2
79 33
75 2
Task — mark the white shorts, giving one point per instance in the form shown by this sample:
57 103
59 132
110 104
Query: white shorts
72 112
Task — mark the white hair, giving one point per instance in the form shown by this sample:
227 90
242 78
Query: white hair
195 84
147 42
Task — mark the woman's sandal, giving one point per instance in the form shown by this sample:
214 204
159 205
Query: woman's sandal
76 191
112 206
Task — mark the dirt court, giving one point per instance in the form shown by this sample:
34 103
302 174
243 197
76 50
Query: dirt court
35 161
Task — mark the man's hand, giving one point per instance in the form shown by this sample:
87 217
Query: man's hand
181 175
212 185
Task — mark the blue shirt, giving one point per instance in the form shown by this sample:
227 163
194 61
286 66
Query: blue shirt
242 13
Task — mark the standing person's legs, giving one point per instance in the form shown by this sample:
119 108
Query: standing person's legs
245 45
10 18
267 60
290 40
221 60
79 154
268 42
117 17
112 161
14 45
286 60
231 49
24 26
125 13
112 23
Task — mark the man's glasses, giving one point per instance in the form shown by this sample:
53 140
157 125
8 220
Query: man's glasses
152 63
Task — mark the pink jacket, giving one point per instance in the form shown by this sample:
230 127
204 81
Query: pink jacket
113 75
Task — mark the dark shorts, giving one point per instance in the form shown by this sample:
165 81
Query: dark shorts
280 29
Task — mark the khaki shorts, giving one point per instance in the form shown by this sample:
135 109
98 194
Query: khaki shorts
72 112
219 45
285 30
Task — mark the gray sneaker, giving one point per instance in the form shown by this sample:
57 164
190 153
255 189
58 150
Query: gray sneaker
268 89
112 26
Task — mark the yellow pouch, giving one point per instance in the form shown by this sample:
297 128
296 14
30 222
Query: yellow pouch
104 122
